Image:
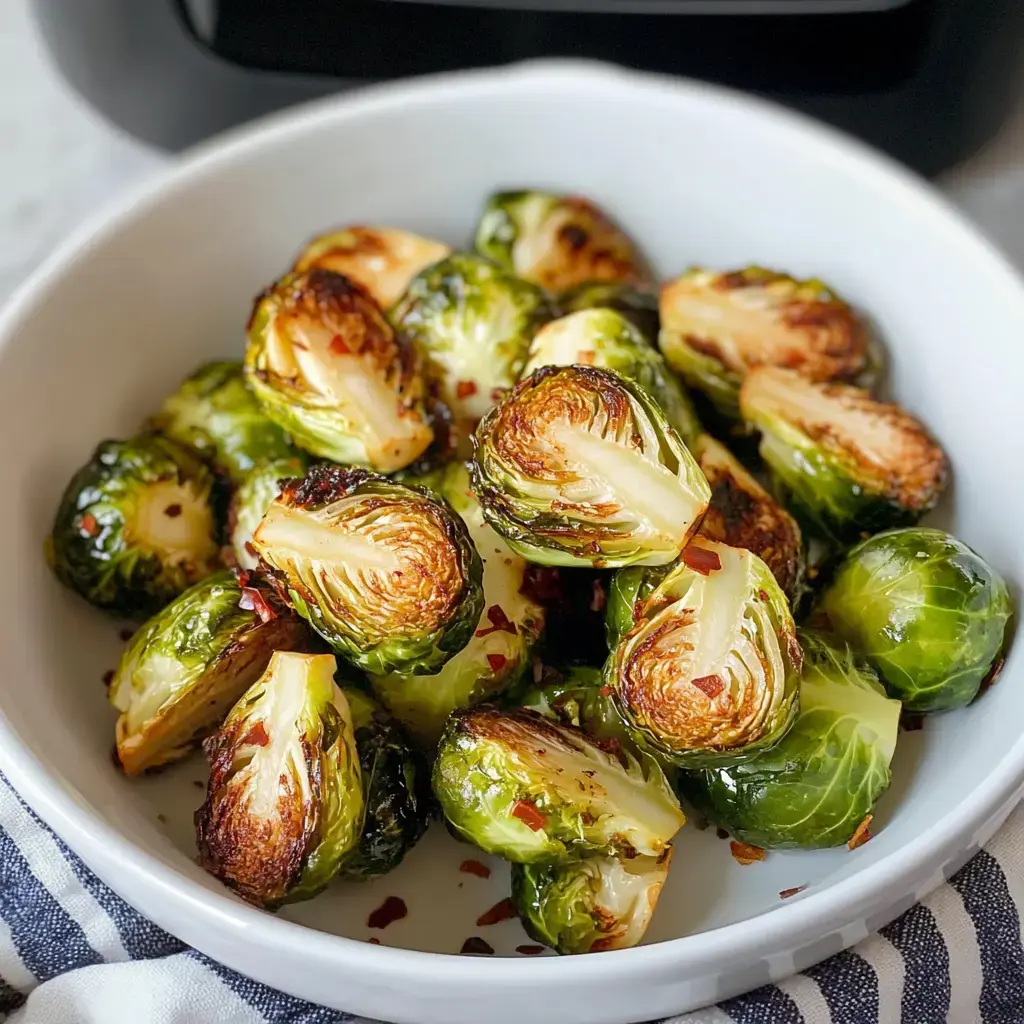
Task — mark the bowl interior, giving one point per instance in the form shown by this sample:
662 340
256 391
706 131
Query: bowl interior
697 179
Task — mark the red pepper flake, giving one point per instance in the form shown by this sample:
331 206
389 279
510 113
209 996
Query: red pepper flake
373 940
503 910
530 950
475 946
474 867
911 721
763 594
465 388
701 560
744 853
497 394
253 601
126 634
500 622
862 835
610 745
88 525
529 815
496 661
993 675
173 511
605 691
598 598
339 347
391 910
710 686
786 893
108 677
257 736
721 833
250 550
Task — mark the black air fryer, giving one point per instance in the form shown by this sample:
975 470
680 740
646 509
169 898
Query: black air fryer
927 80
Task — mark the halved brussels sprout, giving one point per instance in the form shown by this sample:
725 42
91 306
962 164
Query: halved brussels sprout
605 338
253 496
708 674
396 790
381 260
136 526
284 804
534 791
576 696
474 321
217 416
928 612
578 466
499 651
847 463
717 326
385 573
184 668
743 514
815 787
327 366
589 905
557 241
638 305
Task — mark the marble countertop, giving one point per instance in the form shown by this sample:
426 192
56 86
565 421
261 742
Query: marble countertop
60 161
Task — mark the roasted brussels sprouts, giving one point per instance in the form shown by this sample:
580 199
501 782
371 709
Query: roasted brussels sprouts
216 415
184 668
284 804
743 514
576 696
638 305
815 787
847 463
327 366
579 467
535 791
707 676
499 651
925 610
605 338
557 241
253 496
589 905
717 326
381 260
396 790
474 321
136 526
385 573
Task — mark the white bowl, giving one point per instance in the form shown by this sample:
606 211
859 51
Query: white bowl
123 311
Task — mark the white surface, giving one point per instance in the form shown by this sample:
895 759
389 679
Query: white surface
116 318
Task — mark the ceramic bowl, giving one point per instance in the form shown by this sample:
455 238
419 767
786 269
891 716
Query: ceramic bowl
111 323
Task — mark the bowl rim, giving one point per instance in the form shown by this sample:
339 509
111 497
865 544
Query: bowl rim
816 913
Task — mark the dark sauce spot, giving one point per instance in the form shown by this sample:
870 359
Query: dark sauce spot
475 946
173 511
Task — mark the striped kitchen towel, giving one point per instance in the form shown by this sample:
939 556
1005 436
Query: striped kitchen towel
71 952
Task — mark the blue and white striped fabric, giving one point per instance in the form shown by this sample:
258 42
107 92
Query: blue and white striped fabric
71 952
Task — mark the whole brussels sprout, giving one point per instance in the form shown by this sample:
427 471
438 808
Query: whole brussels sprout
499 651
578 466
253 496
284 804
605 338
396 790
744 515
534 791
927 611
845 462
217 416
184 668
716 326
136 526
474 321
326 365
638 305
590 905
557 241
815 787
381 260
385 573
707 676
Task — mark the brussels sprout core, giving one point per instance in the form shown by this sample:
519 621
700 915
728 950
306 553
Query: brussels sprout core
578 466
532 790
385 573
327 366
381 260
284 803
708 675
848 463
